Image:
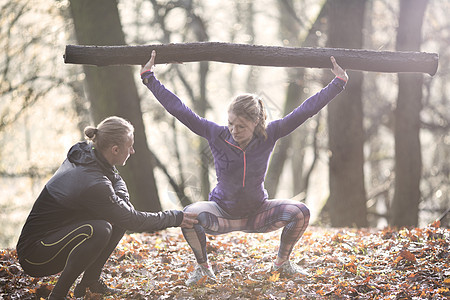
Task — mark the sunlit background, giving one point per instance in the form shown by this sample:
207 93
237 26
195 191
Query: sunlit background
43 106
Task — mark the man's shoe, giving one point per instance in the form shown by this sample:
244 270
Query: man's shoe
200 272
288 269
54 297
98 287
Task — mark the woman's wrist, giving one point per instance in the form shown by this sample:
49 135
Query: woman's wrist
342 78
142 72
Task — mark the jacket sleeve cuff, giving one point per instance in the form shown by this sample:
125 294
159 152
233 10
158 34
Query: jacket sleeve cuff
341 83
142 73
179 217
145 76
341 78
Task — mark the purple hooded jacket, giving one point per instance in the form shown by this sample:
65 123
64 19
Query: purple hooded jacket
240 173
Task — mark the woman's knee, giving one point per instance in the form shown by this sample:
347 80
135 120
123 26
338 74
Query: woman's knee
208 221
197 207
305 211
302 212
206 217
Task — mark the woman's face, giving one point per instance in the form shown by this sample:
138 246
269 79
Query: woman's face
124 151
241 129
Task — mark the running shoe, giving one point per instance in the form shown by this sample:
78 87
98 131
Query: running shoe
98 287
54 297
200 272
289 268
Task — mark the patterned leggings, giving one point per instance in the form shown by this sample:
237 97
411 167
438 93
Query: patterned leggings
272 215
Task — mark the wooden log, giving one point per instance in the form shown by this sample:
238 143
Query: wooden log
350 59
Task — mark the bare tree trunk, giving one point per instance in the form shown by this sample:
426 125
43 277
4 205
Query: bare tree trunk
289 30
201 102
248 18
347 201
408 159
244 13
280 153
112 91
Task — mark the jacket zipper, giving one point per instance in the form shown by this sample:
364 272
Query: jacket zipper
245 161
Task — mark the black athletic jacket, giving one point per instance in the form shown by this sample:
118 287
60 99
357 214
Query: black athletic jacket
87 187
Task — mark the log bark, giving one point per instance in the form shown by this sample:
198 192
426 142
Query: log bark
350 59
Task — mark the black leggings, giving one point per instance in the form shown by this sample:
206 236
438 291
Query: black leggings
84 246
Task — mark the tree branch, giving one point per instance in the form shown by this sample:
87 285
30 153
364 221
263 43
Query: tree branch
184 199
352 59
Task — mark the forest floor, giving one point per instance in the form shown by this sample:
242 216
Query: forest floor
342 263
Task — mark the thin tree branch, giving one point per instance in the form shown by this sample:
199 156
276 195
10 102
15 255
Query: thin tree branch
184 199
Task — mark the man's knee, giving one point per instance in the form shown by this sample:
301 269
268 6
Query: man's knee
101 231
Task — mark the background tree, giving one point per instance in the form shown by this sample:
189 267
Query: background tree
347 201
290 26
408 157
290 29
378 123
112 91
35 102
198 26
195 86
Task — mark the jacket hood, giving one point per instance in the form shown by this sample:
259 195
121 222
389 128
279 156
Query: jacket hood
82 153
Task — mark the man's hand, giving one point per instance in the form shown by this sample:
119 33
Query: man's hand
337 70
150 64
189 220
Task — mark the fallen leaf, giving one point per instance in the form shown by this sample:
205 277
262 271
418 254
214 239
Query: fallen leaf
408 256
274 277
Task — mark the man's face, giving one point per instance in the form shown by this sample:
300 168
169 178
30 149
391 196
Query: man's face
124 151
